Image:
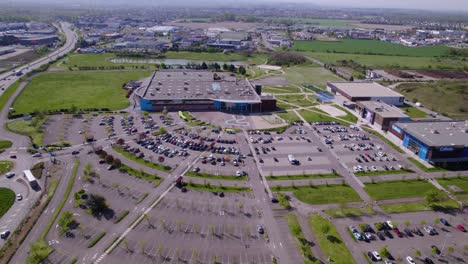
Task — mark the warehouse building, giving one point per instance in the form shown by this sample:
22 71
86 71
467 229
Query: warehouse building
380 114
193 90
437 142
366 91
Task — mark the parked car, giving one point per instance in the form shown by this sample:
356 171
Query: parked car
390 224
428 261
371 256
376 255
381 236
357 236
410 260
260 229
10 174
461 228
445 222
397 232
4 234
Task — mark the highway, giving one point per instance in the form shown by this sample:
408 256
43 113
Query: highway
24 161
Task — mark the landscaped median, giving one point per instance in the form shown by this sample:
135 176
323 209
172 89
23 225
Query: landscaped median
7 197
30 128
215 188
300 240
141 174
385 190
302 177
329 240
5 166
321 194
4 144
215 177
141 160
418 206
382 172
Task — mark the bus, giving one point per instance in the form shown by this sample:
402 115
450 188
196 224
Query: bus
292 160
31 179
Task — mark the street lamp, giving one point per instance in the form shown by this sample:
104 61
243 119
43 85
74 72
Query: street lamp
443 246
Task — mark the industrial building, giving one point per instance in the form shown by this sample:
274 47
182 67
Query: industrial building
437 142
380 114
6 50
194 90
366 91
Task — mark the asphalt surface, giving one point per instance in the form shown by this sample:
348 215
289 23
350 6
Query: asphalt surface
24 161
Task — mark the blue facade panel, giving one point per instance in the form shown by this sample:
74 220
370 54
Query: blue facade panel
411 142
146 105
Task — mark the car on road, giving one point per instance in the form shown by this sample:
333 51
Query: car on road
19 197
10 174
4 234
36 155
75 152
260 229
410 260
461 228
12 156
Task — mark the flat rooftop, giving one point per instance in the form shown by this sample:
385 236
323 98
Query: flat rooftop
365 89
197 85
438 134
383 109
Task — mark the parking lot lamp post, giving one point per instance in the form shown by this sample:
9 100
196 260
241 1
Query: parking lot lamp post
443 246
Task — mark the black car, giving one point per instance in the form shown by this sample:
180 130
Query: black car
388 234
75 152
381 236
5 234
369 229
418 232
371 256
408 232
445 222
428 260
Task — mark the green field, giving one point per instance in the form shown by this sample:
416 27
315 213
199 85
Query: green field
301 241
413 112
323 22
416 207
349 212
331 242
280 89
372 47
7 197
309 73
7 94
398 189
311 116
445 97
457 186
31 128
348 117
288 116
388 61
296 99
4 144
5 166
321 194
84 90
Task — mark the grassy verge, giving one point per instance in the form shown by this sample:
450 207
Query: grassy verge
314 116
301 241
417 206
283 201
7 197
413 112
211 188
382 172
143 197
141 160
30 128
141 174
348 117
7 94
278 130
330 242
121 217
302 176
5 166
321 194
215 177
349 212
457 186
289 116
96 239
384 139
398 189
424 168
4 144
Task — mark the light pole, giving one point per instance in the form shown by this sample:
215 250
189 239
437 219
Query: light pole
443 246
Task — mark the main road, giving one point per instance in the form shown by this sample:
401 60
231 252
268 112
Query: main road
24 161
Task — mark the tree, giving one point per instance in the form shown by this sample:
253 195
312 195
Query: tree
109 159
232 68
204 66
97 204
450 250
225 67
242 70
417 252
216 66
117 163
384 252
435 196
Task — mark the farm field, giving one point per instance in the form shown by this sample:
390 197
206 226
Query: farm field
373 47
89 90
7 197
398 189
445 97
321 22
386 61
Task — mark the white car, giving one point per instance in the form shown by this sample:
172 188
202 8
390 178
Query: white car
238 173
36 155
410 260
10 174
19 197
390 224
376 255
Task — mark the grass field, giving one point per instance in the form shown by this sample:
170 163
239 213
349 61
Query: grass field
457 186
5 166
445 97
413 112
302 177
84 90
4 144
296 99
416 207
321 194
301 241
331 242
289 116
349 116
390 143
309 73
349 212
311 116
382 172
398 189
31 128
215 177
323 22
7 94
387 61
7 197
372 47
280 89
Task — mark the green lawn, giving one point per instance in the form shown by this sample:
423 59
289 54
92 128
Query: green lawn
84 90
215 56
280 89
321 194
215 188
372 47
215 177
387 61
349 212
457 186
348 117
8 93
424 168
4 144
288 116
88 60
296 99
331 243
31 128
7 197
5 166
398 189
141 174
416 207
382 172
311 116
302 176
413 112
445 97
309 73
284 106
301 241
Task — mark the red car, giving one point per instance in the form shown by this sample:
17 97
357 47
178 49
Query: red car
397 232
461 228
